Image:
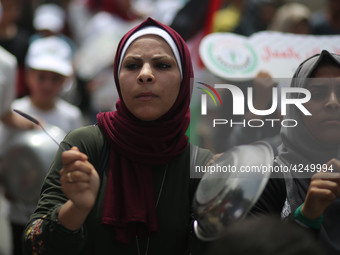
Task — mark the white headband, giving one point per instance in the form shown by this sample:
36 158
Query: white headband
152 30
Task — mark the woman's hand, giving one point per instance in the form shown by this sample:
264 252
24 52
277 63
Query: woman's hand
323 190
263 90
79 179
262 93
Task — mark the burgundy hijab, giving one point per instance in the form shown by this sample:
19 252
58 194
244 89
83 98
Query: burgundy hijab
137 146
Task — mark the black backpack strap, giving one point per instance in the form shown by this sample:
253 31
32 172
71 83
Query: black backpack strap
193 182
198 157
274 142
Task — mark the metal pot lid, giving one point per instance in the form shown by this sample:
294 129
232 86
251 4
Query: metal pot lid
231 187
27 158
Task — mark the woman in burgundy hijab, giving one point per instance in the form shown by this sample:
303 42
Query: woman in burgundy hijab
138 201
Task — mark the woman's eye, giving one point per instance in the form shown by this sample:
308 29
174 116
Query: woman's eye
318 93
163 65
338 93
131 66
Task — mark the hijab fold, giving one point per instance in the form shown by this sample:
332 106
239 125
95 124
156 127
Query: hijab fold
137 146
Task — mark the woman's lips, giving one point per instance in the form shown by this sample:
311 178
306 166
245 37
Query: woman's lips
334 121
146 96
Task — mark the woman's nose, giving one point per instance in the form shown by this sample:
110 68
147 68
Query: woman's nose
145 74
333 100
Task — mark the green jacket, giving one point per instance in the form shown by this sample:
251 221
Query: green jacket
45 235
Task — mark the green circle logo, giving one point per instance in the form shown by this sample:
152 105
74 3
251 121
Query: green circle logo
232 57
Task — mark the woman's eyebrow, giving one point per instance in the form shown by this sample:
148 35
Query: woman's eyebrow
321 86
316 85
133 57
155 58
319 82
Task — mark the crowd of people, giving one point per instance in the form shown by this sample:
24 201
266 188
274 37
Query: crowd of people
117 78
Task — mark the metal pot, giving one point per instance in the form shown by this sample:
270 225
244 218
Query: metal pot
227 194
27 158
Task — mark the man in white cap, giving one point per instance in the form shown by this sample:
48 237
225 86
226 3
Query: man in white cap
48 69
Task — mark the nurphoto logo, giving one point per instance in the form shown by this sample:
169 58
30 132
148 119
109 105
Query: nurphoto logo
238 104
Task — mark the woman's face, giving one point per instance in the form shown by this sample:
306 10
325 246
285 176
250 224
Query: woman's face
149 78
324 123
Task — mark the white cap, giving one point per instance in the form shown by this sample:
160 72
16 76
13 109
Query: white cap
49 17
50 54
